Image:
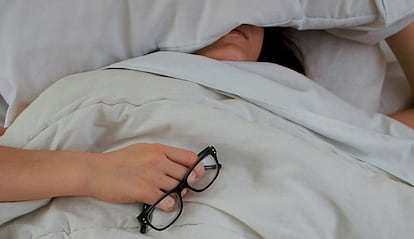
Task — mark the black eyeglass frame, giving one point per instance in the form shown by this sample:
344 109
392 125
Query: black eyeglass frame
147 209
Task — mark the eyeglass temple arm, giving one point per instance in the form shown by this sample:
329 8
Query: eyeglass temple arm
143 228
211 167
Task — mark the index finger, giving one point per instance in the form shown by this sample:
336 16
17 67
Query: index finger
184 157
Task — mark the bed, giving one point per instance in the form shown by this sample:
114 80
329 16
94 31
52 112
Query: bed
302 157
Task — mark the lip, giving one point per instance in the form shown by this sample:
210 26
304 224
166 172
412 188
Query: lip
239 32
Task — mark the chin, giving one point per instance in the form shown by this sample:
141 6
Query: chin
224 52
233 52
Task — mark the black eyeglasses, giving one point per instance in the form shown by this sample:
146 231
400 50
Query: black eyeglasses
159 219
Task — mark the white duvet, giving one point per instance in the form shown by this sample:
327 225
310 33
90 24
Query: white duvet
297 161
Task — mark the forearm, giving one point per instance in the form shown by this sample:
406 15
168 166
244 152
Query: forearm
35 174
406 117
402 45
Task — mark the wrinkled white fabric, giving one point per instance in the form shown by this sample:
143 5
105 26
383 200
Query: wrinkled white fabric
280 179
369 137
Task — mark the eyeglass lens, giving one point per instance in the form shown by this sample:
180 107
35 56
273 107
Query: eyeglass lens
159 218
206 171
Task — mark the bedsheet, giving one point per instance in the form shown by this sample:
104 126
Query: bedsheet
286 172
366 136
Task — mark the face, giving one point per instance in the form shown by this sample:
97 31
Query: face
243 43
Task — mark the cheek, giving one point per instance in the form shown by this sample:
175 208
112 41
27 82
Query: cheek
225 52
254 52
256 46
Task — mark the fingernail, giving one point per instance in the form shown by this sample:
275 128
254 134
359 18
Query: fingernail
192 178
167 204
199 169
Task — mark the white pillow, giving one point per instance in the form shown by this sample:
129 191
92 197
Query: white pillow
351 70
395 15
42 41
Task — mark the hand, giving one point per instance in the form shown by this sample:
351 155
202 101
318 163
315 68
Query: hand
140 173
2 131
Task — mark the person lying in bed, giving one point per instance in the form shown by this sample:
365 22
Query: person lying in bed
143 172
140 172
245 44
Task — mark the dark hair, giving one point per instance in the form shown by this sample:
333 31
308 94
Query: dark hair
278 48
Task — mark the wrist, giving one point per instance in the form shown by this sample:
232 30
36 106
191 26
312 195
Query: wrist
88 165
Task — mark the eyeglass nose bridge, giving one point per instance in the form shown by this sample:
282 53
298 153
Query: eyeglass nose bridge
180 187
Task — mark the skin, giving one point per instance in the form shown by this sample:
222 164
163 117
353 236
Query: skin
137 173
243 43
402 44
